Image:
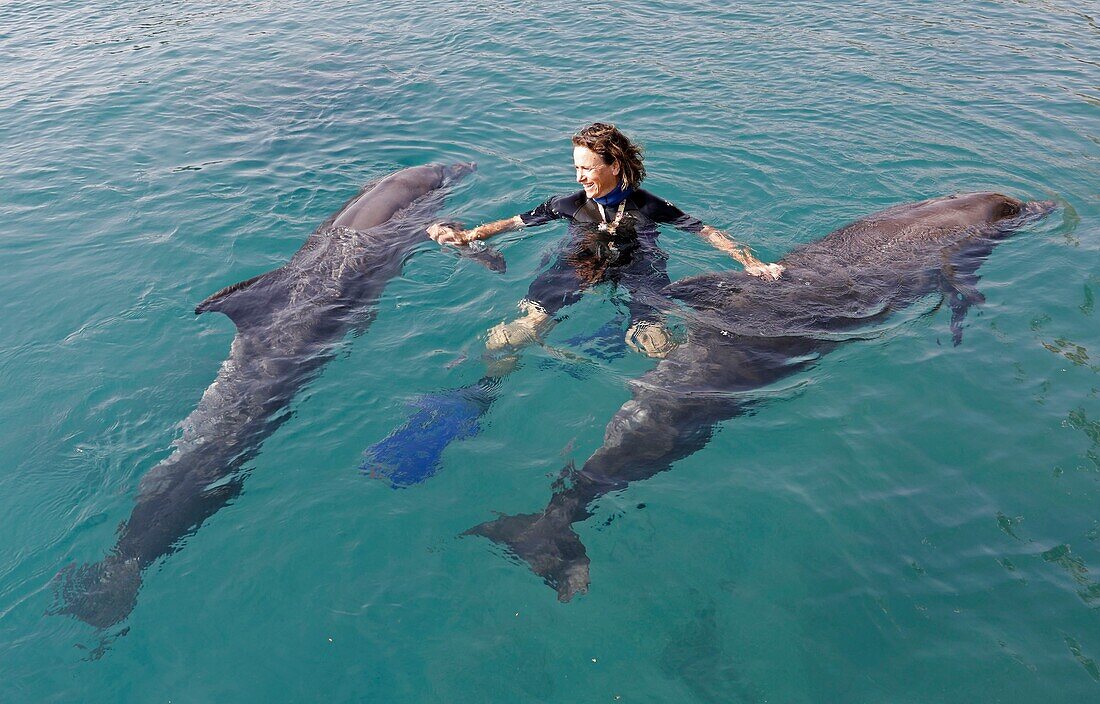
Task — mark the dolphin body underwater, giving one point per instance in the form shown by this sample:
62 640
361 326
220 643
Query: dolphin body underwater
289 322
745 333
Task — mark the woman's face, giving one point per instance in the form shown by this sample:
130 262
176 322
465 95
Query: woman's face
597 178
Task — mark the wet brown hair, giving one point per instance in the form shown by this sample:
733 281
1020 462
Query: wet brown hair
587 259
612 145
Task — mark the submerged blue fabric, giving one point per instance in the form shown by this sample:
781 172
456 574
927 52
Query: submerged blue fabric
411 453
606 343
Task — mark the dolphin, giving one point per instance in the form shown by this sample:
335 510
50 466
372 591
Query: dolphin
744 333
289 322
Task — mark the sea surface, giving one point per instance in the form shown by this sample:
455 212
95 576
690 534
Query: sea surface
906 522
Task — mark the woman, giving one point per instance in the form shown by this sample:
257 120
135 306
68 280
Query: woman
612 238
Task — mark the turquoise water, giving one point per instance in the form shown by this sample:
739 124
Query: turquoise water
906 522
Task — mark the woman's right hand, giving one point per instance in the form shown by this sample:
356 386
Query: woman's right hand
768 272
449 234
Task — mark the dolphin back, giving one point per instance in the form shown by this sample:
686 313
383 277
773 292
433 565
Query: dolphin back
860 273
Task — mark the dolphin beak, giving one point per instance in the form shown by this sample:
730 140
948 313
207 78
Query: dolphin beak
456 172
1031 212
1039 208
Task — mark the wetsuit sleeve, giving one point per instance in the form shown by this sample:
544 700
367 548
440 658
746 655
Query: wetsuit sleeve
660 210
542 214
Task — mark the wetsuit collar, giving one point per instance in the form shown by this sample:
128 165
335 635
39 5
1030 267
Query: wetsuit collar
621 193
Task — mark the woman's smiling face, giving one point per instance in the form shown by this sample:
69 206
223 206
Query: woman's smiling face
597 178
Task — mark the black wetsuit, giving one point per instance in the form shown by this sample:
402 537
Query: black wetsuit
630 257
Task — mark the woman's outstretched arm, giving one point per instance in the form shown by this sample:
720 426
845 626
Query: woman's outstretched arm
449 234
740 253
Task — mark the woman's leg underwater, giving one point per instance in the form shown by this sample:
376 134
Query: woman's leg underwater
644 279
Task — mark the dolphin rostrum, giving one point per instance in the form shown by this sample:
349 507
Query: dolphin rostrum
745 333
289 322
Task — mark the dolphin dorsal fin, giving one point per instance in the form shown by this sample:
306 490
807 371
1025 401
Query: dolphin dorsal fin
240 301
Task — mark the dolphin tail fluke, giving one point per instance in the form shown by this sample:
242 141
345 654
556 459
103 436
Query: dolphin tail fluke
547 543
101 594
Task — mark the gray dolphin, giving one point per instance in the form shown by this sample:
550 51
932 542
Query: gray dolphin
288 323
745 333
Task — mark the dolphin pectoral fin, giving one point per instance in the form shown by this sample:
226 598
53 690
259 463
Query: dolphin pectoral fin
959 282
548 544
240 301
487 257
476 250
960 302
